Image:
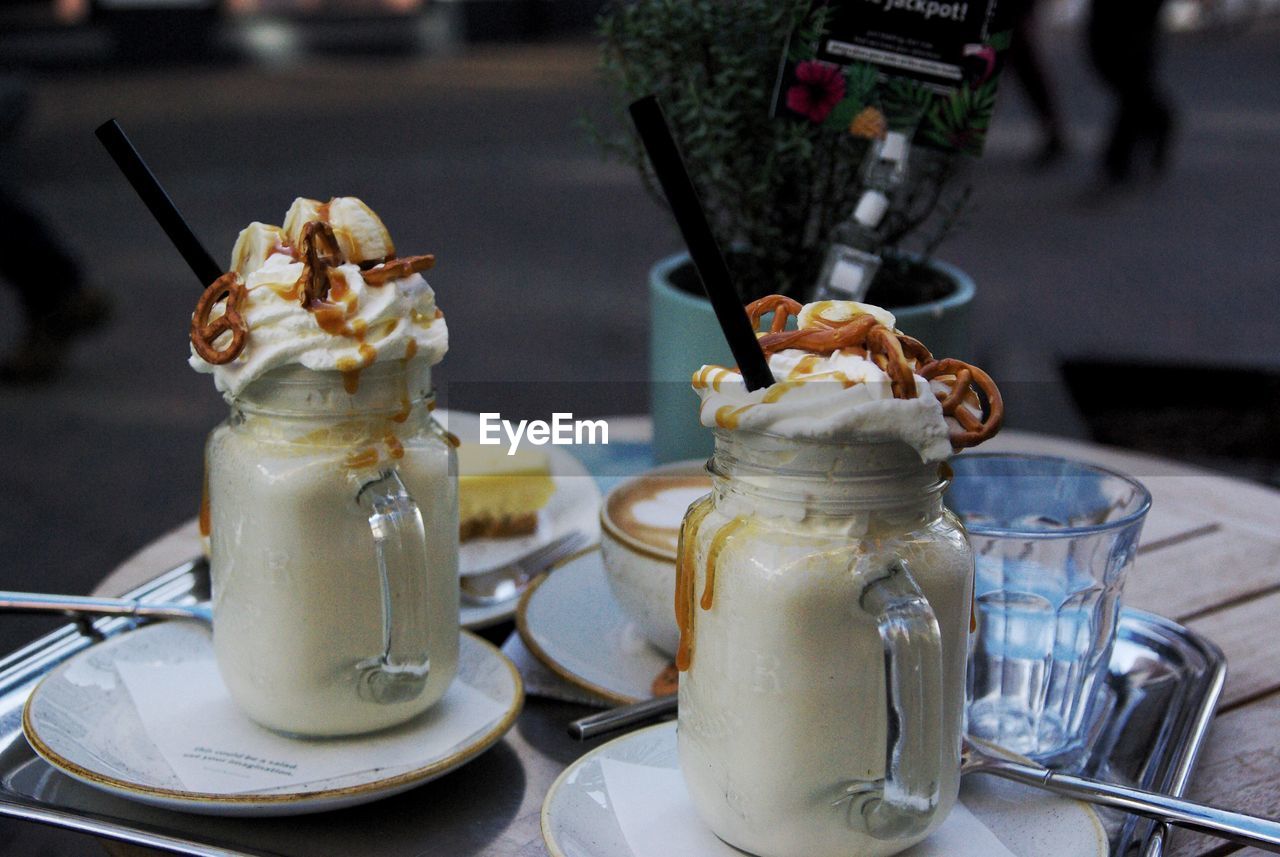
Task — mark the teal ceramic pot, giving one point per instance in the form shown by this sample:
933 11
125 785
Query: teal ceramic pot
683 335
942 325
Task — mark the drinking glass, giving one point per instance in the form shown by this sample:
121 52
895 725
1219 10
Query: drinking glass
1053 541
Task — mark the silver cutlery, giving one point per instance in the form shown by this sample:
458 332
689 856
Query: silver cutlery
976 759
492 587
80 605
510 581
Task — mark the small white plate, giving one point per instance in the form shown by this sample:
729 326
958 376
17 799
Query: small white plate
575 505
573 624
82 719
582 818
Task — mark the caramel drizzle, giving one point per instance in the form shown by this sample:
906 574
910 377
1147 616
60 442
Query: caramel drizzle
686 548
727 416
394 447
900 357
710 376
718 544
368 456
362 458
206 513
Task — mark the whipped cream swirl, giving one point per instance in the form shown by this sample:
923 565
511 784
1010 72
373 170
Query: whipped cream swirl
357 325
841 396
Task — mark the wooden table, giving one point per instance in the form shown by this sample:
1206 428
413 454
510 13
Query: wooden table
1210 558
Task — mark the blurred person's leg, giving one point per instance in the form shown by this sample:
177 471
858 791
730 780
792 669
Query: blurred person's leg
36 264
54 300
1027 63
1123 42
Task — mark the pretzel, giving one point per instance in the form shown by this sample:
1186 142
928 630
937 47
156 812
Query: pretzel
397 268
886 352
205 332
862 333
964 377
781 306
900 357
319 250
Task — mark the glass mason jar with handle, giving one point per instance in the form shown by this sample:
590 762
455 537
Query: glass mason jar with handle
333 518
824 599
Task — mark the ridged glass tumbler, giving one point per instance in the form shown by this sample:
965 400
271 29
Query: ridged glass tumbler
1053 541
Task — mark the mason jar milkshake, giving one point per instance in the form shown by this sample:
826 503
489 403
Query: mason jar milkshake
824 593
332 508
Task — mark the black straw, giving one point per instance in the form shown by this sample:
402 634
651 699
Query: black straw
157 201
707 258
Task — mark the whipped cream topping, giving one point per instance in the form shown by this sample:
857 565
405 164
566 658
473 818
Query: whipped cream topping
358 323
840 396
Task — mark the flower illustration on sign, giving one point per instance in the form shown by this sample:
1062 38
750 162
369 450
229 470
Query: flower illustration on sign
819 87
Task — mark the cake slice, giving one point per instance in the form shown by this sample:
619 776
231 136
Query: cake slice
499 495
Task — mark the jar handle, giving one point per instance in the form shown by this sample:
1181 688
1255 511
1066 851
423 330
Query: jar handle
399 674
905 801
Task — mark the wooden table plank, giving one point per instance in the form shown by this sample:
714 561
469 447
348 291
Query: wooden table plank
1190 576
168 551
1253 670
1183 487
1239 769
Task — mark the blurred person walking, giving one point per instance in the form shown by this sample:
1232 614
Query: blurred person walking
1124 45
1026 60
56 305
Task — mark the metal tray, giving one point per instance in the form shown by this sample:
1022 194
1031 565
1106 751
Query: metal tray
1163 688
1161 694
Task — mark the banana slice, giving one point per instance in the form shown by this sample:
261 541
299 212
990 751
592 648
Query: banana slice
302 212
843 311
359 231
255 244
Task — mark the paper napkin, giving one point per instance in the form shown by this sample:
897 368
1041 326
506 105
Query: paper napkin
656 816
214 748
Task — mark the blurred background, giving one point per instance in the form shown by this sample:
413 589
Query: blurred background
1141 313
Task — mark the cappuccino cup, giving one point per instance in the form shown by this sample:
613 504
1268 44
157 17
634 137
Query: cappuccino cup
639 532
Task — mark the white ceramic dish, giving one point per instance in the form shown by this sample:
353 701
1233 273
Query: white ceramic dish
640 562
573 624
651 816
575 505
83 720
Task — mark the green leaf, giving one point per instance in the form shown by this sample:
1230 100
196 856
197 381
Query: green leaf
773 185
842 114
1000 41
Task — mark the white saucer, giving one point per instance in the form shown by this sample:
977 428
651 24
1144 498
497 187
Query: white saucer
648 813
476 617
575 505
82 719
573 624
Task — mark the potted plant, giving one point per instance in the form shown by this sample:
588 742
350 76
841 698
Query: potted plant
774 189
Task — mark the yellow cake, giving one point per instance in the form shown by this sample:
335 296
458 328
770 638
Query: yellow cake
499 494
